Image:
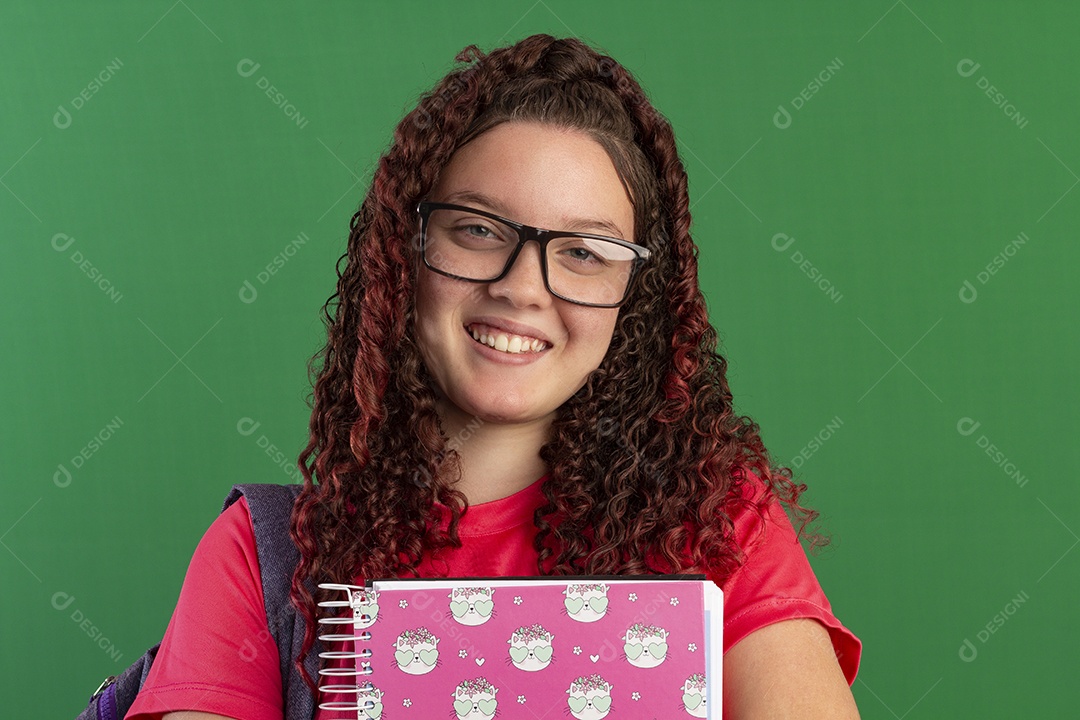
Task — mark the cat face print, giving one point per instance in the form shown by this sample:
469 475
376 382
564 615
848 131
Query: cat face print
645 645
586 602
693 696
475 700
370 701
365 607
589 698
416 651
530 648
472 605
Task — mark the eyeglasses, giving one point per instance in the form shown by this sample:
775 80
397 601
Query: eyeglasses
477 246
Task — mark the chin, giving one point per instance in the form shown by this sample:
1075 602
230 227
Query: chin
502 416
502 409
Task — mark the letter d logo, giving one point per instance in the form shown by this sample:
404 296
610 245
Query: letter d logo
966 426
62 118
248 293
247 67
782 118
60 238
247 426
968 293
248 652
782 237
967 67
62 476
968 652
61 600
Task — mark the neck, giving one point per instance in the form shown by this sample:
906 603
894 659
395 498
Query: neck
497 460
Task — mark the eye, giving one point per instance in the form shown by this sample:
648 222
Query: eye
581 254
479 230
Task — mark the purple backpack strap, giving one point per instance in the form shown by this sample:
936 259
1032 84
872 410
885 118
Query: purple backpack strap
271 512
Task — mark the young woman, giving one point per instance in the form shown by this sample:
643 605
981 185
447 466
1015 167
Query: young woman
520 378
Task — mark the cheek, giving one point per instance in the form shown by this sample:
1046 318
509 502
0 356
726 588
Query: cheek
423 317
435 300
593 330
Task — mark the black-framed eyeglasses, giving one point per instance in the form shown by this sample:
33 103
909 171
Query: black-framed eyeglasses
477 246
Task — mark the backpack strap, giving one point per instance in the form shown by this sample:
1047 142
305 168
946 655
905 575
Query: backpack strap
117 693
271 508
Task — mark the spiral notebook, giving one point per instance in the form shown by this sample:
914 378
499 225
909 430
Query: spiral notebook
583 647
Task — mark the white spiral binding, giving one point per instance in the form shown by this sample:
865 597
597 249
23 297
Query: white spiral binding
363 636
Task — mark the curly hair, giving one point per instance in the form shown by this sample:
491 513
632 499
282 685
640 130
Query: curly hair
645 462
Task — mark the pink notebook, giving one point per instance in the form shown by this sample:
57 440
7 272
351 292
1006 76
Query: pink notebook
582 647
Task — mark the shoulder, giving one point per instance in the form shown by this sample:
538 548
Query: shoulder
232 527
227 549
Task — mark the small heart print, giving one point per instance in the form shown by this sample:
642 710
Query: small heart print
594 658
479 661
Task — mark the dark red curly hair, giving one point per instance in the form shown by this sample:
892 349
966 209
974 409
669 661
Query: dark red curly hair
645 462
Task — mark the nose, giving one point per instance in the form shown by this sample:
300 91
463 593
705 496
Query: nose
523 284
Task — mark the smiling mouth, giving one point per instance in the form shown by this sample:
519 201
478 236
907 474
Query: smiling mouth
508 343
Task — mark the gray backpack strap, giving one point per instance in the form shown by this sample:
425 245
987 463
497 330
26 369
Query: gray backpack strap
271 509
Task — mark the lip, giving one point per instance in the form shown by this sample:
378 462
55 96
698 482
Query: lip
510 327
501 357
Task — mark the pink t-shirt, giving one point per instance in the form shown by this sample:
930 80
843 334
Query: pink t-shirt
218 656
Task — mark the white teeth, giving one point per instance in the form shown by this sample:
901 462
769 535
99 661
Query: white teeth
512 344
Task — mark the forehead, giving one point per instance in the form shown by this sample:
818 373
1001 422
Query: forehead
540 175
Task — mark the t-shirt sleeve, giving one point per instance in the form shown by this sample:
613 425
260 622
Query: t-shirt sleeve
777 583
217 655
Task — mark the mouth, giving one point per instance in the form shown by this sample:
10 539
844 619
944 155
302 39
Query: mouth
500 340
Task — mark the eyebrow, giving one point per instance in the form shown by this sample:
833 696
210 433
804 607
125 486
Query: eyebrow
493 204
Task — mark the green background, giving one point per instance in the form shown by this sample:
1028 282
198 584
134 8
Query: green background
900 180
